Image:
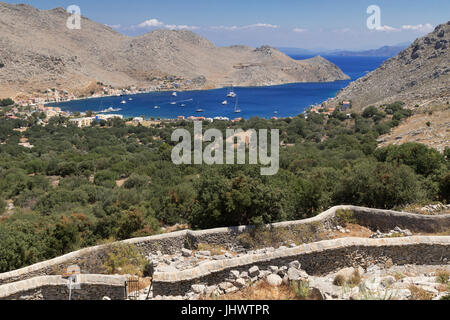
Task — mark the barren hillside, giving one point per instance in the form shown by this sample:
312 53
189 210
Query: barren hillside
38 51
418 75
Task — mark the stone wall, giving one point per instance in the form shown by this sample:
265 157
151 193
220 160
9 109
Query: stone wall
92 287
91 259
318 258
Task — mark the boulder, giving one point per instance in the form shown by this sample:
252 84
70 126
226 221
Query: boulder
253 271
274 280
273 269
295 265
186 253
198 288
295 275
240 283
234 274
225 285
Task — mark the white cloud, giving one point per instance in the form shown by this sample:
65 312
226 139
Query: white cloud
261 25
180 27
232 28
151 23
299 30
344 30
420 28
250 26
387 29
114 26
155 23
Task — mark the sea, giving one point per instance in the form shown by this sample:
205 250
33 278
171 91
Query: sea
264 102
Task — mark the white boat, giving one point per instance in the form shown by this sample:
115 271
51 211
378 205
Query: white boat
155 107
123 102
183 105
225 102
236 110
173 103
199 110
231 94
174 94
131 99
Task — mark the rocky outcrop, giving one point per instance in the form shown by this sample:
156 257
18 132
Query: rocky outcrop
38 51
418 74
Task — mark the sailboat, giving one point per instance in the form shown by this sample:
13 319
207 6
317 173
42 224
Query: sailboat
174 94
236 110
231 94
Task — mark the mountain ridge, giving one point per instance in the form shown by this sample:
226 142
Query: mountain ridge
418 75
38 51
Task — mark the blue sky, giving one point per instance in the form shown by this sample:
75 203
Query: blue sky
310 24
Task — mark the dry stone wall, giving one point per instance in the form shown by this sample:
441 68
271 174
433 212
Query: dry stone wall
92 287
91 259
318 258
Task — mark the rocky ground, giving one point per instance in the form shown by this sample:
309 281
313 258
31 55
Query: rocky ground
376 282
430 127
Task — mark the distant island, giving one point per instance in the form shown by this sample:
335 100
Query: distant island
385 51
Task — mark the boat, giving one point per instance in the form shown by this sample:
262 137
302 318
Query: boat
110 109
131 99
225 102
173 103
199 110
156 107
183 105
231 94
123 102
236 110
174 94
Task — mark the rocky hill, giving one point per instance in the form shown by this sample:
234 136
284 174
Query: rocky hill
38 51
419 74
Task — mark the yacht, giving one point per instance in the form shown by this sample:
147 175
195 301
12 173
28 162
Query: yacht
130 99
123 102
156 107
231 94
174 94
199 110
173 103
236 110
225 102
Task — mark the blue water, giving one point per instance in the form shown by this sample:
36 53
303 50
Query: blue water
265 102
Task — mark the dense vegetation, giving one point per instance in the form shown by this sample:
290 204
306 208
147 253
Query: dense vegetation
79 187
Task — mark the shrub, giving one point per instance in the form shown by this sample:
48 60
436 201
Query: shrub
442 277
2 206
419 294
345 217
355 279
339 280
301 289
125 259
